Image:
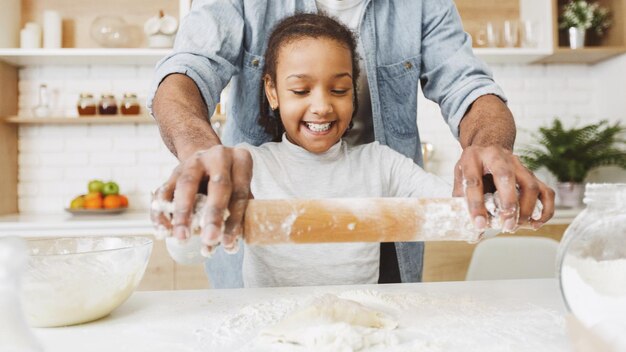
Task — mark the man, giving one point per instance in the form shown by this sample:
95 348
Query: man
402 43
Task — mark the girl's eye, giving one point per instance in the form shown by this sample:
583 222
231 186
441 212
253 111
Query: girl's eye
340 91
299 92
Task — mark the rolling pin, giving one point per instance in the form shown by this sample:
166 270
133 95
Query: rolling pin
358 220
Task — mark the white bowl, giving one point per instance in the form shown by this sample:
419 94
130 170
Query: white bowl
80 279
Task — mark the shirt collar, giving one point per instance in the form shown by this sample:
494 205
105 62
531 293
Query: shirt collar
296 151
339 4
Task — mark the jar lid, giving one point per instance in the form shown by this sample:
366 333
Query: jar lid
130 95
86 95
108 95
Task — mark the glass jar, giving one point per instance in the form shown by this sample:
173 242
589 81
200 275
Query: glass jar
86 105
108 105
592 259
130 104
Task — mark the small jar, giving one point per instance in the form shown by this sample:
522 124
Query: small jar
130 104
108 105
592 258
86 105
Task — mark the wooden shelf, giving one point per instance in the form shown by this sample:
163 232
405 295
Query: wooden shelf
588 55
102 120
511 55
102 56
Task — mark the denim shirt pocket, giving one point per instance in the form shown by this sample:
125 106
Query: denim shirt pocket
250 81
397 85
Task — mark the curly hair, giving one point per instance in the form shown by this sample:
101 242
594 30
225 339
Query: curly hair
300 26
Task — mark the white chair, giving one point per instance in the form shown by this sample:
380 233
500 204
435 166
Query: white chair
515 257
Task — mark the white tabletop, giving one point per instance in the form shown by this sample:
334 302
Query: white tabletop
513 315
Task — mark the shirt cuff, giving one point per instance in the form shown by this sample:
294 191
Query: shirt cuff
454 121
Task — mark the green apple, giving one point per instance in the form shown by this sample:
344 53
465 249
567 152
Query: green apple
110 188
95 186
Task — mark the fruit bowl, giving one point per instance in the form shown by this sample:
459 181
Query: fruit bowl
76 280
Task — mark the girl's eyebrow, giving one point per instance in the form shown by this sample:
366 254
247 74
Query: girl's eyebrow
305 76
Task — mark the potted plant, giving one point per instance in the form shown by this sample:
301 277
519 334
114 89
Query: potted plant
580 15
570 154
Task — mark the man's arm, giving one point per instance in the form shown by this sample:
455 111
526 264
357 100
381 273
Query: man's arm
182 117
183 122
487 122
487 134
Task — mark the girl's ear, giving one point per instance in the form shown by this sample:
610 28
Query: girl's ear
270 92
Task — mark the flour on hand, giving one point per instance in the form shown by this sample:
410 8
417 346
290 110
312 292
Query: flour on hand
494 208
167 209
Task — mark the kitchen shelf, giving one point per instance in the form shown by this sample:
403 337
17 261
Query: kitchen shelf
511 55
103 120
103 56
588 55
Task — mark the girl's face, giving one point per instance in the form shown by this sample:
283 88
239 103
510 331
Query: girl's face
313 91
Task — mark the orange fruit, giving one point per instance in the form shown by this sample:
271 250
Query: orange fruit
124 200
93 201
112 201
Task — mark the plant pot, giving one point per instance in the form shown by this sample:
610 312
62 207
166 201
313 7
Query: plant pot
570 194
576 37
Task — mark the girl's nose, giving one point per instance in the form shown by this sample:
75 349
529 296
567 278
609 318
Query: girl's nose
321 105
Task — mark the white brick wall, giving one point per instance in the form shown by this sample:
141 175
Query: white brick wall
537 94
56 162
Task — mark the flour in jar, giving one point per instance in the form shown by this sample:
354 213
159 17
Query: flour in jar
595 290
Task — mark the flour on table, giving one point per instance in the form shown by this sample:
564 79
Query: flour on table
425 322
333 323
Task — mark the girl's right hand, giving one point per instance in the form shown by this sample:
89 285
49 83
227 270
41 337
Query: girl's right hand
225 173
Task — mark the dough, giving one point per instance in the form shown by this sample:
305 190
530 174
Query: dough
331 323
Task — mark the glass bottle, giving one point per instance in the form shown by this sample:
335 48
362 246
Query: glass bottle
15 334
86 105
43 106
130 104
592 259
108 105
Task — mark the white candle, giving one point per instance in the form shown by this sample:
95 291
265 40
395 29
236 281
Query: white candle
52 30
30 36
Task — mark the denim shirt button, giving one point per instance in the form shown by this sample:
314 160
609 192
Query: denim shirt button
408 65
255 62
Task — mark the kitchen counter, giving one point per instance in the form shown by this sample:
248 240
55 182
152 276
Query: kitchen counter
129 223
513 315
44 225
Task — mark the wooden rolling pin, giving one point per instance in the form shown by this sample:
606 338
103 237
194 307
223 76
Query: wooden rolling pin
358 220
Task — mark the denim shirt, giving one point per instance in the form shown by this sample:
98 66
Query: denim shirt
405 42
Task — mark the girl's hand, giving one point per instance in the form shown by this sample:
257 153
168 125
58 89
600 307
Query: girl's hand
480 169
225 174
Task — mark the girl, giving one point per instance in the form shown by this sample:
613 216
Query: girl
308 100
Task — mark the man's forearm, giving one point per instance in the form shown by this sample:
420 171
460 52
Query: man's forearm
182 117
487 122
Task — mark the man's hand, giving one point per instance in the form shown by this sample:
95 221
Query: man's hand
205 166
226 174
481 168
487 134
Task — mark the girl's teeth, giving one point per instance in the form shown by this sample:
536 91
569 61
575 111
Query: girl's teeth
318 127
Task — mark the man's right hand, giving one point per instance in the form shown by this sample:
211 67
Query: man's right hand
226 174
